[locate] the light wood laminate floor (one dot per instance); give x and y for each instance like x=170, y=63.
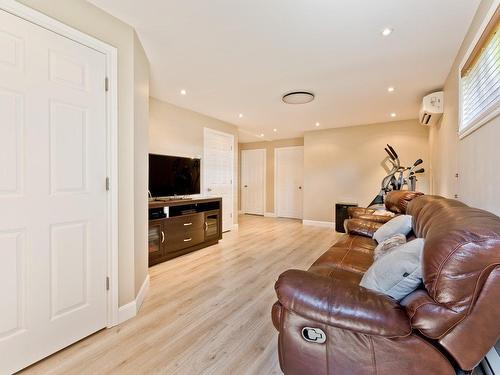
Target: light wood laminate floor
x=207, y=312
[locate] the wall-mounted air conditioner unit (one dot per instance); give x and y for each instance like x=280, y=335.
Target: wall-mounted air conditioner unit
x=432, y=108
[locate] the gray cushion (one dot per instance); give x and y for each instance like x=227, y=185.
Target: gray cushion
x=398, y=272
x=399, y=225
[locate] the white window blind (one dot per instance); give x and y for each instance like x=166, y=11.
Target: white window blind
x=480, y=79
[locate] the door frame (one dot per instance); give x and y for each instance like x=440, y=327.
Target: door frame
x=111, y=54
x=233, y=148
x=276, y=151
x=264, y=181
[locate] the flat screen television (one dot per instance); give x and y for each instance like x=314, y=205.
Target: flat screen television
x=173, y=175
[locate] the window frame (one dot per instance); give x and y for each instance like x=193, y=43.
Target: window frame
x=486, y=116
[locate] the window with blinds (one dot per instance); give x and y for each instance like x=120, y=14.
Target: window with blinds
x=480, y=79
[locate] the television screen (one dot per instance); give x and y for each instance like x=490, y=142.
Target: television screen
x=173, y=175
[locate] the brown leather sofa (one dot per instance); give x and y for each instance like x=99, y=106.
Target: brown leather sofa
x=362, y=221
x=328, y=324
x=396, y=201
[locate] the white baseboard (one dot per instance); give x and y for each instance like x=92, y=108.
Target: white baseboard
x=315, y=223
x=142, y=294
x=131, y=309
x=127, y=312
x=240, y=212
x=269, y=214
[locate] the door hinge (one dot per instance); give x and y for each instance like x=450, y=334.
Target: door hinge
x=106, y=84
x=107, y=183
x=107, y=283
x=231, y=215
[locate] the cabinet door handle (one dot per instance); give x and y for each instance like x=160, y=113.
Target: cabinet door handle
x=187, y=239
x=205, y=224
x=162, y=236
x=186, y=224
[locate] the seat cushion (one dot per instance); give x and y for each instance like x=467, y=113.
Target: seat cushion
x=348, y=259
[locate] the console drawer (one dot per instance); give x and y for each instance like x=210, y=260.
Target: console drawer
x=184, y=238
x=185, y=222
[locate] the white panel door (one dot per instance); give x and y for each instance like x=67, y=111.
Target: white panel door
x=253, y=181
x=218, y=170
x=52, y=192
x=289, y=180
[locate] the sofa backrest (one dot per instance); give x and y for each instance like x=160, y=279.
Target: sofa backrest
x=397, y=200
x=461, y=275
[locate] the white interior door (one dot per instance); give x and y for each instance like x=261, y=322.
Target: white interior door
x=218, y=170
x=253, y=181
x=289, y=180
x=53, y=240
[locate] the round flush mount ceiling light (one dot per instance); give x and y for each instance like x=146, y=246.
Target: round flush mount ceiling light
x=387, y=31
x=298, y=97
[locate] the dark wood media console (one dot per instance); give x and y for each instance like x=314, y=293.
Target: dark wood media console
x=189, y=225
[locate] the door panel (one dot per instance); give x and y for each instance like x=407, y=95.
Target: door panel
x=253, y=181
x=12, y=282
x=53, y=227
x=289, y=181
x=218, y=168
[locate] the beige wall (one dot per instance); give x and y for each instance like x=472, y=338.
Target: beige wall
x=476, y=157
x=269, y=146
x=178, y=131
x=344, y=164
x=141, y=145
x=89, y=19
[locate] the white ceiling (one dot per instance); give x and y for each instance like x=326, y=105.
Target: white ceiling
x=241, y=56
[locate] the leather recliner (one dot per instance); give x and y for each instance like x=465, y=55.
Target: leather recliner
x=328, y=324
x=396, y=201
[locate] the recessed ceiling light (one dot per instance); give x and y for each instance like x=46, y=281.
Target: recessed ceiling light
x=390, y=89
x=317, y=124
x=393, y=114
x=240, y=115
x=387, y=31
x=183, y=92
x=275, y=130
x=261, y=134
x=298, y=97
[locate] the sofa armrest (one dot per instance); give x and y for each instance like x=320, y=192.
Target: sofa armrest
x=361, y=227
x=355, y=212
x=376, y=218
x=341, y=304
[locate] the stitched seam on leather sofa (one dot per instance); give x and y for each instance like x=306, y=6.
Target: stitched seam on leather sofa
x=374, y=360
x=441, y=266
x=440, y=353
x=419, y=306
x=349, y=248
x=476, y=292
x=469, y=309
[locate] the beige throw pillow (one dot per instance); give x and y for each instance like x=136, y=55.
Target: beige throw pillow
x=385, y=246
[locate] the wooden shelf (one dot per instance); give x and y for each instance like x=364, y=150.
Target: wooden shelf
x=191, y=224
